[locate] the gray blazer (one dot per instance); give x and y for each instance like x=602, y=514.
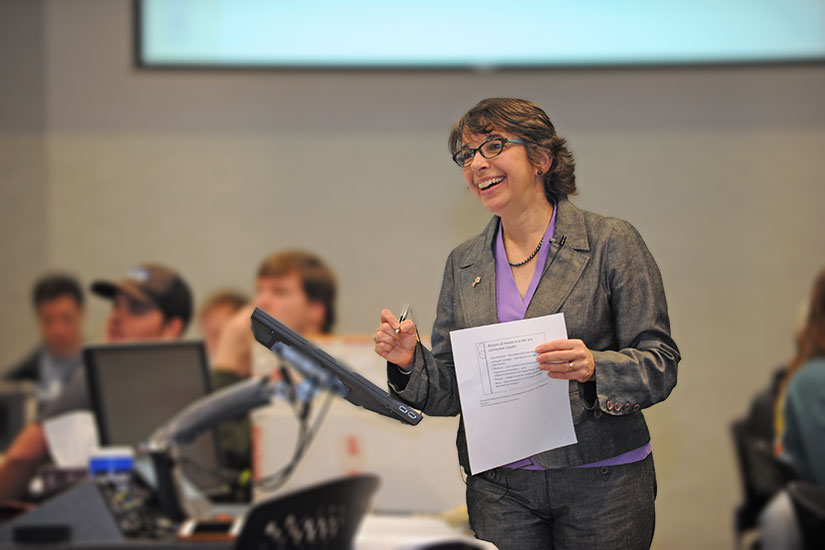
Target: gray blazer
x=608, y=286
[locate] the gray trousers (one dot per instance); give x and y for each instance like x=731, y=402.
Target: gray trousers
x=571, y=508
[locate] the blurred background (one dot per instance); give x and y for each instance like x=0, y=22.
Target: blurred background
x=104, y=165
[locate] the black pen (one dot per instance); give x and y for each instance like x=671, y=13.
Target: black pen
x=404, y=315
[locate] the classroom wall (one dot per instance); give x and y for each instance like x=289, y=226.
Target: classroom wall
x=23, y=222
x=103, y=165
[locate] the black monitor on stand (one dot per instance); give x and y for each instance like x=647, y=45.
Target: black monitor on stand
x=353, y=387
x=320, y=371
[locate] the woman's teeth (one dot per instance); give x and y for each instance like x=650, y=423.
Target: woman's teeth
x=489, y=183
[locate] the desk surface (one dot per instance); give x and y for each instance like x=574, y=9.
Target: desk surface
x=393, y=532
x=377, y=532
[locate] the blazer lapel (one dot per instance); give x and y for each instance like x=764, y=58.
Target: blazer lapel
x=476, y=280
x=476, y=276
x=565, y=263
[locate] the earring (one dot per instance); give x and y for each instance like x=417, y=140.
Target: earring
x=539, y=173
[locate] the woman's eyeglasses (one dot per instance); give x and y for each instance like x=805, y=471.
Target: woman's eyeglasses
x=490, y=149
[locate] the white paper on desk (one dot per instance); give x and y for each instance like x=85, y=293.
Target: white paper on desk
x=511, y=408
x=72, y=438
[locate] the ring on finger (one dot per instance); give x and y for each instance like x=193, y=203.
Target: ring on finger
x=570, y=366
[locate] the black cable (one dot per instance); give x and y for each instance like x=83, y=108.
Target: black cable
x=277, y=479
x=231, y=474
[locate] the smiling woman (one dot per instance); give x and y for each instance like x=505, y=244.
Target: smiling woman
x=541, y=255
x=508, y=184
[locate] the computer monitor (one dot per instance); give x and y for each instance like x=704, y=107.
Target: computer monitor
x=135, y=388
x=358, y=390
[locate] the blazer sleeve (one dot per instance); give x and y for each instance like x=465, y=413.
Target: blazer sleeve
x=642, y=370
x=432, y=386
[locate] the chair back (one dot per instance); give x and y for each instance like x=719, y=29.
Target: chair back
x=809, y=504
x=324, y=516
x=761, y=473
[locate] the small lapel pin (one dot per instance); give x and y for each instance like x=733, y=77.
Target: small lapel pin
x=476, y=281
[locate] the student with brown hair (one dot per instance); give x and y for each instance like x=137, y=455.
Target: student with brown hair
x=215, y=313
x=295, y=287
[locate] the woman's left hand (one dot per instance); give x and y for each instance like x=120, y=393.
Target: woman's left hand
x=566, y=359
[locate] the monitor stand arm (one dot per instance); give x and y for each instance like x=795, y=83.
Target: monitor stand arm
x=210, y=410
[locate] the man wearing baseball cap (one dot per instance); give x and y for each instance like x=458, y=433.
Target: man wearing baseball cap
x=151, y=303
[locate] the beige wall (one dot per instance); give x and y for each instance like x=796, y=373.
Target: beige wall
x=23, y=185
x=720, y=169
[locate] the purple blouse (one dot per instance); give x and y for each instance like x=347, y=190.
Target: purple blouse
x=511, y=306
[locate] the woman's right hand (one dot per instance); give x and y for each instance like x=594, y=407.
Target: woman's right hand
x=396, y=347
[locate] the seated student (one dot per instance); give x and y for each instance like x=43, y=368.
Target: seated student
x=293, y=286
x=58, y=306
x=151, y=303
x=800, y=423
x=216, y=311
x=296, y=288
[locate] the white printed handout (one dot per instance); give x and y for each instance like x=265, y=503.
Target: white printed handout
x=511, y=408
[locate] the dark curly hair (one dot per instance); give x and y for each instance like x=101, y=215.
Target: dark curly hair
x=53, y=286
x=531, y=124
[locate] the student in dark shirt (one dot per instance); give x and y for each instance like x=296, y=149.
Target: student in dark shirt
x=59, y=309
